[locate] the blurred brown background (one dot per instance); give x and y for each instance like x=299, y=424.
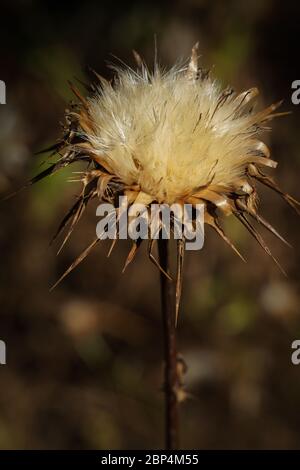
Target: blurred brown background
x=84, y=362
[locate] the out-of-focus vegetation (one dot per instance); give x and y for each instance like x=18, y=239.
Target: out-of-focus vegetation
x=84, y=362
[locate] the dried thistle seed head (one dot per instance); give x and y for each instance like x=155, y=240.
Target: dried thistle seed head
x=167, y=137
x=171, y=135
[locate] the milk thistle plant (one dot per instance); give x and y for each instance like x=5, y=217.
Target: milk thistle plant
x=168, y=137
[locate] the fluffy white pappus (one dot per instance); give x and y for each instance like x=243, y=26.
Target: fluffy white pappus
x=171, y=134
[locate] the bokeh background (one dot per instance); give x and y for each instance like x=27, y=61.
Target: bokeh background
x=84, y=366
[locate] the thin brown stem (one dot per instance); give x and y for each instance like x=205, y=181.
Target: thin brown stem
x=170, y=353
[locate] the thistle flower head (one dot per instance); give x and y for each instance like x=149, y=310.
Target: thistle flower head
x=169, y=136
x=172, y=135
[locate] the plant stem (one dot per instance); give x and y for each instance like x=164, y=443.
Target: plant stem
x=170, y=353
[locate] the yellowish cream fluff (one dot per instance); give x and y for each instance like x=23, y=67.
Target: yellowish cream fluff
x=169, y=134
